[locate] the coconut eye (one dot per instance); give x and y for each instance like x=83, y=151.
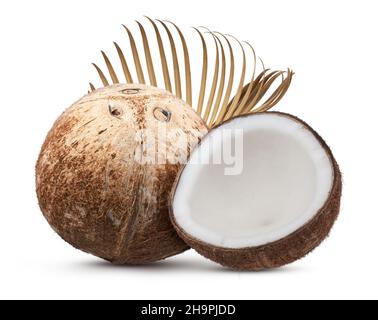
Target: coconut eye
x=131, y=91
x=162, y=115
x=114, y=111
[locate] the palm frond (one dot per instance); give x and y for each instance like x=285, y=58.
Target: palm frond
x=214, y=102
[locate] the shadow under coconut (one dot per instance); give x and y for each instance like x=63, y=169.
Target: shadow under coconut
x=168, y=265
x=179, y=264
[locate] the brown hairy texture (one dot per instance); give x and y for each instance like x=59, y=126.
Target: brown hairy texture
x=93, y=191
x=286, y=250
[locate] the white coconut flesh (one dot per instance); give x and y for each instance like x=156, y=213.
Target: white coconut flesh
x=286, y=179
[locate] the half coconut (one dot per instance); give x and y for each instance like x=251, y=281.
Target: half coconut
x=260, y=191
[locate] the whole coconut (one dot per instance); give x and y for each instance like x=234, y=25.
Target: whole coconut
x=105, y=173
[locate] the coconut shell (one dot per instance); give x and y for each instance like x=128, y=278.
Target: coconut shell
x=97, y=186
x=286, y=250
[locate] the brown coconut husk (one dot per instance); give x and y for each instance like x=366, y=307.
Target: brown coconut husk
x=286, y=250
x=91, y=189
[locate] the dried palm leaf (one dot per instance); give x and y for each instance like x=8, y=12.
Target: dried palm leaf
x=248, y=98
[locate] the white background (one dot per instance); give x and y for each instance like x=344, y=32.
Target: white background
x=45, y=52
